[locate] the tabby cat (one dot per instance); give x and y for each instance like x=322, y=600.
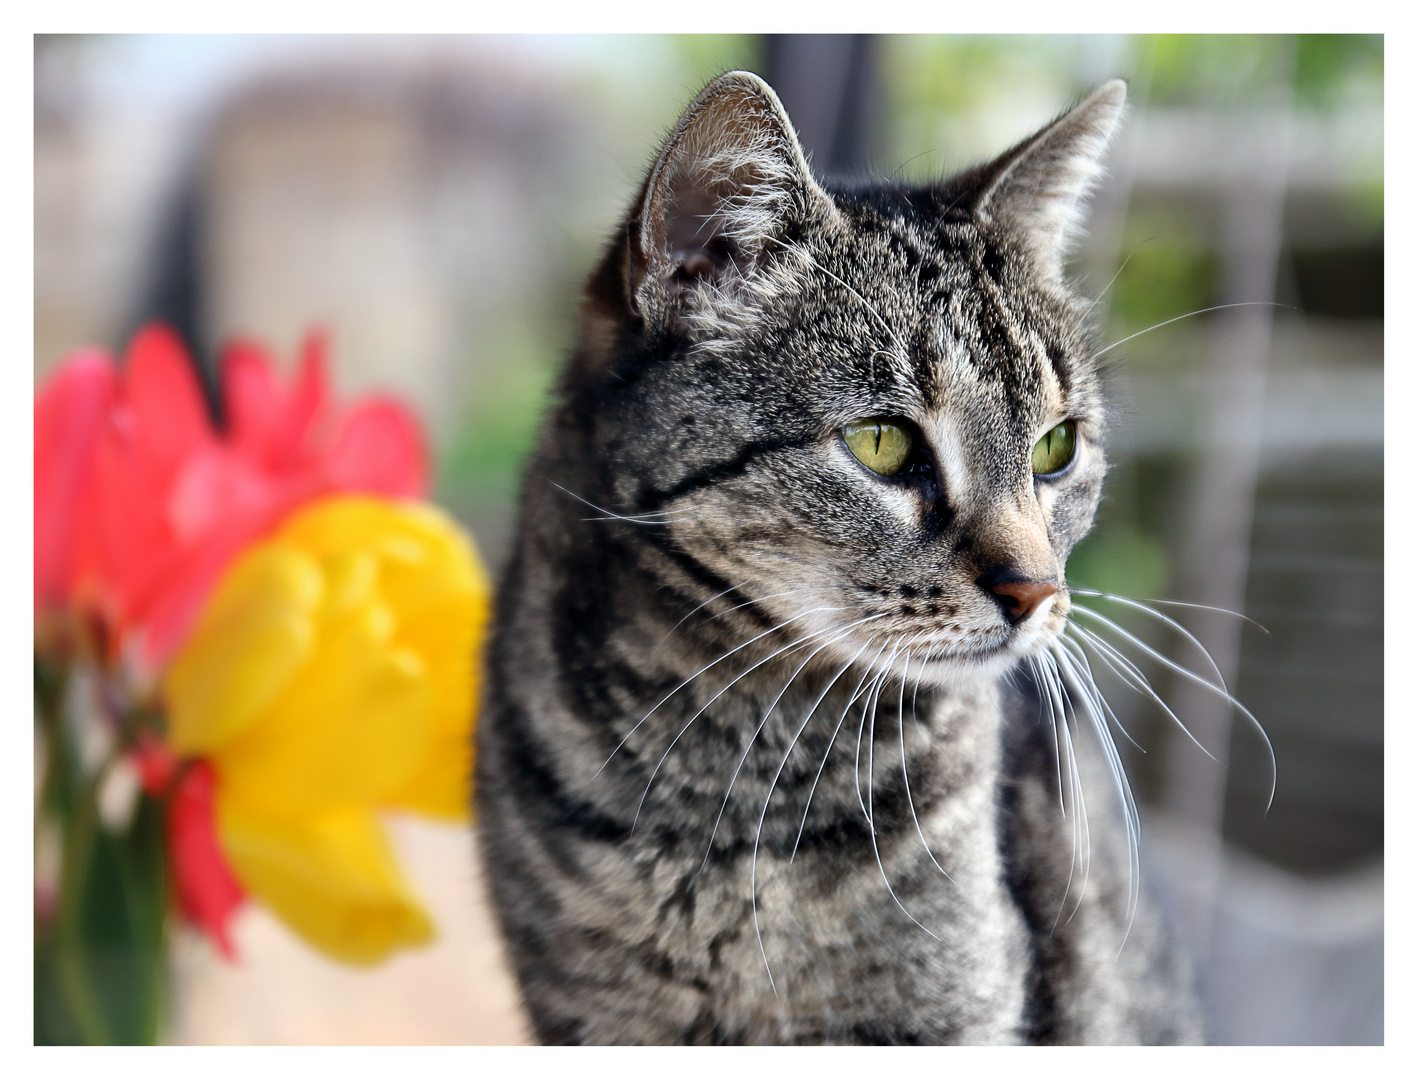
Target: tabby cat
x=756, y=762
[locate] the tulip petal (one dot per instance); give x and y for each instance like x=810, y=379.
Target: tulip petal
x=332, y=878
x=168, y=409
x=255, y=634
x=378, y=449
x=445, y=598
x=429, y=574
x=351, y=727
x=251, y=396
x=308, y=413
x=207, y=893
x=68, y=414
x=446, y=638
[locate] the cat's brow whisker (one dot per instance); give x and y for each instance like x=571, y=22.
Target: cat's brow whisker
x=803, y=252
x=1188, y=315
x=1113, y=280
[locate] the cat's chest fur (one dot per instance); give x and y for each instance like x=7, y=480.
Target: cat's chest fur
x=749, y=766
x=627, y=926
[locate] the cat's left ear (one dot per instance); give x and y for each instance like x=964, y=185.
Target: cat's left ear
x=728, y=181
x=1038, y=188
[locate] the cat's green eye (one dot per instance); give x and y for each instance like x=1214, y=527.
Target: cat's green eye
x=880, y=445
x=1055, y=450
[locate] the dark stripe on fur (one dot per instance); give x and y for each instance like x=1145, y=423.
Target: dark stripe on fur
x=651, y=500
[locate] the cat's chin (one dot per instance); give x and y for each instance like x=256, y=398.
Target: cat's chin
x=958, y=669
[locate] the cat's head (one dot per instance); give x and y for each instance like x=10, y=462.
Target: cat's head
x=872, y=410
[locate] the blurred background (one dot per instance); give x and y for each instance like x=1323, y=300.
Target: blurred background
x=436, y=201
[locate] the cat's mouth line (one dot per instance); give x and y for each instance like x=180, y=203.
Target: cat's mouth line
x=948, y=655
x=1019, y=642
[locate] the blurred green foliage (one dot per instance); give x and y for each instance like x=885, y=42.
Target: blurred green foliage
x=1120, y=558
x=1322, y=70
x=1168, y=271
x=950, y=100
x=703, y=56
x=483, y=461
x=1333, y=68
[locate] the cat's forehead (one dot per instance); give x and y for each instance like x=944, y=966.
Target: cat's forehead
x=950, y=314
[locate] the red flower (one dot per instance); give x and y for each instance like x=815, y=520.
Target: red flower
x=67, y=415
x=203, y=885
x=207, y=892
x=140, y=502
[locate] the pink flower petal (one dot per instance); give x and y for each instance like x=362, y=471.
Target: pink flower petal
x=379, y=449
x=68, y=415
x=208, y=893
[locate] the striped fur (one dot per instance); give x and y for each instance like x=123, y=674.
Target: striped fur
x=754, y=763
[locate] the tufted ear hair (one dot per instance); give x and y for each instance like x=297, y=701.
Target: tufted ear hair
x=730, y=177
x=1038, y=188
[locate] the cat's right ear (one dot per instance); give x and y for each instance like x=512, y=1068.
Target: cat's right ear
x=1038, y=188
x=727, y=183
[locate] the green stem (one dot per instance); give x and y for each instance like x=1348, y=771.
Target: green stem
x=50, y=684
x=69, y=946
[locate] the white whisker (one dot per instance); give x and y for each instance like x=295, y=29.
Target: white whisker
x=871, y=817
x=1080, y=677
x=1142, y=605
x=1187, y=673
x=905, y=775
x=701, y=671
x=754, y=737
x=700, y=712
x=832, y=741
x=763, y=814
x=1188, y=315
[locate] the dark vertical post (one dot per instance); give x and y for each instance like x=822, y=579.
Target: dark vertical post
x=829, y=85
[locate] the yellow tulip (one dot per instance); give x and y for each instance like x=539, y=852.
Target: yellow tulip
x=332, y=676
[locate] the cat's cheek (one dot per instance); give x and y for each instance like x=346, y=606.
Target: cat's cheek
x=1070, y=513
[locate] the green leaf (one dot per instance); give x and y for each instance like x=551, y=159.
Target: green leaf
x=108, y=957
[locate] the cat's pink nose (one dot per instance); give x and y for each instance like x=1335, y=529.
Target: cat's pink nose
x=1019, y=599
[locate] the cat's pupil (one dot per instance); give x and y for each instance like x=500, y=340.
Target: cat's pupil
x=880, y=445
